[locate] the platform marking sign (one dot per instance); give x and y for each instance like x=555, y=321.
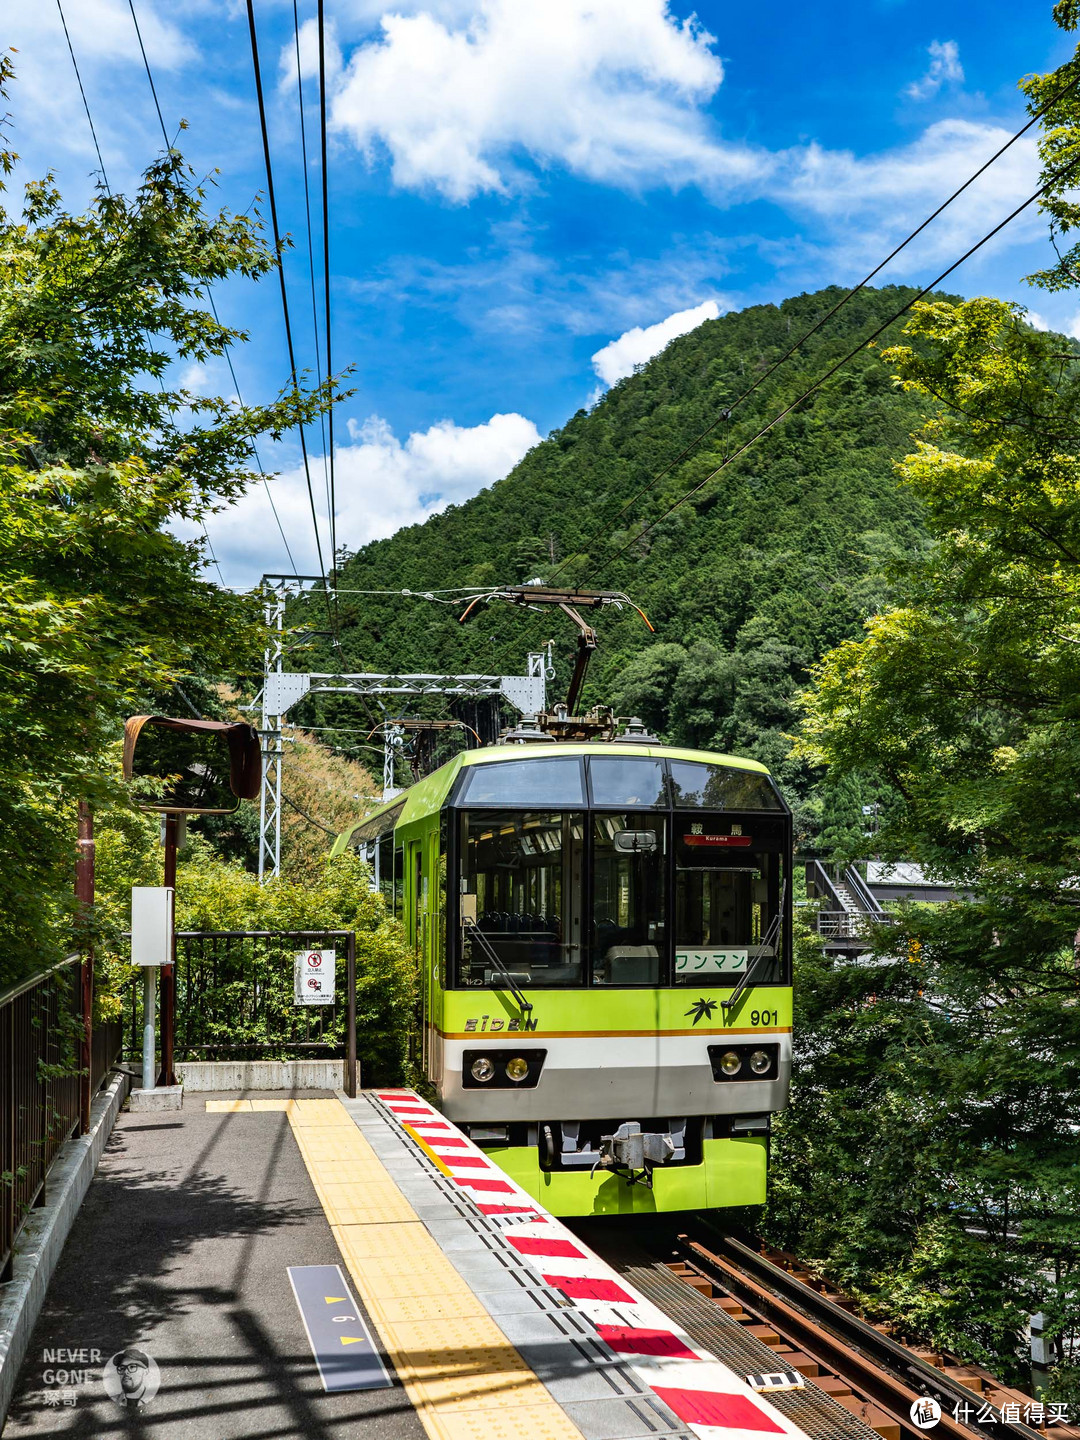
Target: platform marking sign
x=340, y=1340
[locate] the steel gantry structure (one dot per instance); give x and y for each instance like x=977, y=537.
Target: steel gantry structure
x=283, y=689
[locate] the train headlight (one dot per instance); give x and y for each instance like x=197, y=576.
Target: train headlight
x=761, y=1062
x=730, y=1062
x=517, y=1069
x=483, y=1069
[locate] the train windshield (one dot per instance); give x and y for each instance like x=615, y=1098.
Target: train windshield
x=570, y=899
x=629, y=889
x=523, y=872
x=727, y=902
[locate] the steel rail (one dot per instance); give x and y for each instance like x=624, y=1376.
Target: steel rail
x=887, y=1373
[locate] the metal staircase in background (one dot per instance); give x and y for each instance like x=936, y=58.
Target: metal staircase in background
x=849, y=909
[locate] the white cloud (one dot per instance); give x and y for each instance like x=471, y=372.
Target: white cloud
x=636, y=346
x=309, y=54
x=1036, y=321
x=944, y=66
x=868, y=203
x=611, y=90
x=382, y=484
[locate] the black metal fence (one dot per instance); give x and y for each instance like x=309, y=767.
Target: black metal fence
x=235, y=998
x=41, y=1087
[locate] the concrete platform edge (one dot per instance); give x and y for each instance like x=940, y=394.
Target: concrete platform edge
x=43, y=1237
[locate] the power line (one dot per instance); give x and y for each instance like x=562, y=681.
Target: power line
x=210, y=547
x=311, y=263
x=153, y=87
x=284, y=292
x=726, y=413
x=729, y=459
x=326, y=270
x=424, y=594
x=82, y=92
x=213, y=309
x=254, y=447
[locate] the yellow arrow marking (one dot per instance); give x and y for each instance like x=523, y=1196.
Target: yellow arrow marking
x=333, y=1299
x=352, y=1339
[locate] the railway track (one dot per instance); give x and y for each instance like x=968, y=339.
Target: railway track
x=769, y=1314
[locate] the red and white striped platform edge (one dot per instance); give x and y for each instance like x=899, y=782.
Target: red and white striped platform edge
x=708, y=1397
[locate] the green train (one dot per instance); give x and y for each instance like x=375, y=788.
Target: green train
x=604, y=936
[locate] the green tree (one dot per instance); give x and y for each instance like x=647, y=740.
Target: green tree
x=950, y=1197
x=100, y=604
x=215, y=895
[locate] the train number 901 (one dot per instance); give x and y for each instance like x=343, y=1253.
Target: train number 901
x=764, y=1017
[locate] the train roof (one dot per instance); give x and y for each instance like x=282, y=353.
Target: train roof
x=429, y=795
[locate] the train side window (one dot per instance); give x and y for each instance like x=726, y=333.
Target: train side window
x=629, y=924
x=384, y=869
x=618, y=780
x=399, y=884
x=521, y=875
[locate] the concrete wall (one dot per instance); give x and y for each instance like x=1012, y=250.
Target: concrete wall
x=262, y=1074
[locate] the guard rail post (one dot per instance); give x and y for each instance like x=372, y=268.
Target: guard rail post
x=350, y=1018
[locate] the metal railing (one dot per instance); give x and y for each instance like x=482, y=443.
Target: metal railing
x=848, y=925
x=235, y=999
x=42, y=1074
x=841, y=925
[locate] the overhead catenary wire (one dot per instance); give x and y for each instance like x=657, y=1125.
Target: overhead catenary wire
x=328, y=333
x=210, y=547
x=311, y=260
x=867, y=340
x=149, y=75
x=272, y=198
x=727, y=411
x=213, y=310
x=254, y=447
x=82, y=92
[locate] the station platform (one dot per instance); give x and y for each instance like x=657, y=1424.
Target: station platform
x=375, y=1275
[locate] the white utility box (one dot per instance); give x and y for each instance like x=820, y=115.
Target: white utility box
x=151, y=924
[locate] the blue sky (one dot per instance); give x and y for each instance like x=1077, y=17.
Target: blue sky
x=530, y=196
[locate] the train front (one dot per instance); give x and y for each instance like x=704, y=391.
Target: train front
x=616, y=1017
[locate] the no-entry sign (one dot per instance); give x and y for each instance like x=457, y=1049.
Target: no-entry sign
x=313, y=977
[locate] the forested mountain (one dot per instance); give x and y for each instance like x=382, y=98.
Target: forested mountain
x=747, y=585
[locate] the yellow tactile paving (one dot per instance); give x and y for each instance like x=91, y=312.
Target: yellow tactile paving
x=355, y=1172
x=364, y=1204
x=471, y=1390
x=391, y=1277
x=227, y=1107
x=415, y=1308
x=320, y=1112
x=376, y=1242
x=333, y=1146
x=465, y=1342
x=539, y=1422
x=276, y=1105
x=463, y=1377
